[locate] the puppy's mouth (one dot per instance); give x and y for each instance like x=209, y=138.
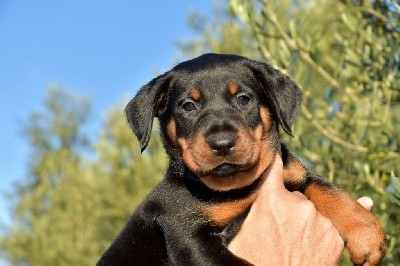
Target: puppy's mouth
x=228, y=169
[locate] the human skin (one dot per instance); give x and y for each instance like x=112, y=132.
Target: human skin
x=284, y=228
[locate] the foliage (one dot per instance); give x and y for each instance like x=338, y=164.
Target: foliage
x=395, y=198
x=219, y=33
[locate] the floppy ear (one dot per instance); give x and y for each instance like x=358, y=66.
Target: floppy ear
x=284, y=95
x=141, y=110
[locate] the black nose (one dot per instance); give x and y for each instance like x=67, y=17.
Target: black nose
x=222, y=144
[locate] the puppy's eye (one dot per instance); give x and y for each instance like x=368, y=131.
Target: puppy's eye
x=188, y=106
x=243, y=99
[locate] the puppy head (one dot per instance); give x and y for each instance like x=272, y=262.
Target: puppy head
x=219, y=116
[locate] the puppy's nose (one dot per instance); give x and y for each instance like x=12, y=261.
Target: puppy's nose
x=222, y=144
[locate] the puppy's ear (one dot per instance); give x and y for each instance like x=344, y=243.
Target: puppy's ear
x=284, y=95
x=147, y=104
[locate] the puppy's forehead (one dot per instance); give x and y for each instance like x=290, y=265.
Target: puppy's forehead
x=211, y=79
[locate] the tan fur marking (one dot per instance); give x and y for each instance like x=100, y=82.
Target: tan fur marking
x=193, y=150
x=362, y=231
x=195, y=94
x=171, y=131
x=233, y=88
x=222, y=213
x=265, y=118
x=333, y=203
x=294, y=171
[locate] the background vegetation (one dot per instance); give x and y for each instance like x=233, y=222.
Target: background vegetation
x=344, y=54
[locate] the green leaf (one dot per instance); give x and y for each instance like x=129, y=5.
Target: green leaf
x=394, y=199
x=395, y=181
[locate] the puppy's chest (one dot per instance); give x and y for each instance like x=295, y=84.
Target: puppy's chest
x=188, y=208
x=223, y=213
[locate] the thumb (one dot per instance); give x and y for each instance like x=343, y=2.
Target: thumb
x=366, y=202
x=274, y=176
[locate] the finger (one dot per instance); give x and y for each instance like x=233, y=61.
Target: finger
x=299, y=195
x=366, y=202
x=274, y=176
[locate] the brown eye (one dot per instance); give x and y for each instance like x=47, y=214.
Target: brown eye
x=243, y=100
x=188, y=106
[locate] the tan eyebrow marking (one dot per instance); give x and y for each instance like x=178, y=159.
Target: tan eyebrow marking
x=233, y=88
x=195, y=94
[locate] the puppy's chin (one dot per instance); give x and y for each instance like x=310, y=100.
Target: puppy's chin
x=227, y=170
x=227, y=177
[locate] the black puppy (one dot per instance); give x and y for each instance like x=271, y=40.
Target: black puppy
x=219, y=117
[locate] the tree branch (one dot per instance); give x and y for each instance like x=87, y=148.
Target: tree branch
x=292, y=45
x=330, y=134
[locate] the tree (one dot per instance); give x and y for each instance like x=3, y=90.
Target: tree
x=345, y=55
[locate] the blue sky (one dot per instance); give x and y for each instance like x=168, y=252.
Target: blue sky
x=98, y=48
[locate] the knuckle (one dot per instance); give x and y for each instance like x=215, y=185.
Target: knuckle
x=307, y=208
x=299, y=195
x=328, y=225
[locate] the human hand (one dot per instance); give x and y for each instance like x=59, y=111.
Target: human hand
x=284, y=228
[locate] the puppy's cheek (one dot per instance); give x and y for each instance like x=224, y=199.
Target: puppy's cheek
x=172, y=139
x=246, y=147
x=266, y=120
x=171, y=132
x=195, y=153
x=187, y=154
